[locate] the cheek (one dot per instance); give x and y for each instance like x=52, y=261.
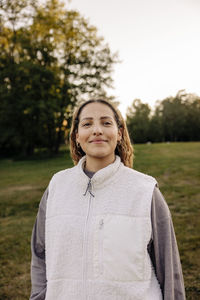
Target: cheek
x=115, y=135
x=82, y=136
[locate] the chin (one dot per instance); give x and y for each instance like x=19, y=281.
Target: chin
x=100, y=154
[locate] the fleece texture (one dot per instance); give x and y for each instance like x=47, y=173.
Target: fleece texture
x=97, y=232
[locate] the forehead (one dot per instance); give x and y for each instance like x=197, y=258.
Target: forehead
x=96, y=110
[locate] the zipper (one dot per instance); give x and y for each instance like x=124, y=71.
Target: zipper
x=85, y=241
x=101, y=227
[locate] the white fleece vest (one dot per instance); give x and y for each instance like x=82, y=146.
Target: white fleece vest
x=97, y=232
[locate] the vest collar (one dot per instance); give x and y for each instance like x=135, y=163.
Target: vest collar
x=103, y=175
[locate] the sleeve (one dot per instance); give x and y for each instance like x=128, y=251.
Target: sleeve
x=164, y=250
x=38, y=265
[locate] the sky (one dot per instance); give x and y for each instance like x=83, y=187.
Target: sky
x=158, y=43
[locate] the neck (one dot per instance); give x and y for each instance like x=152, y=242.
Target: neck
x=96, y=164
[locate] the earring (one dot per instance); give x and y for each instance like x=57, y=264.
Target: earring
x=78, y=144
x=119, y=143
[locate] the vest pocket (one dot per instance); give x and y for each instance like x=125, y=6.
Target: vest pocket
x=120, y=248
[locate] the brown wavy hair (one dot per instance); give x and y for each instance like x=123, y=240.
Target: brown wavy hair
x=124, y=149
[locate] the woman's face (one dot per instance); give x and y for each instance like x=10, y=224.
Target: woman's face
x=98, y=133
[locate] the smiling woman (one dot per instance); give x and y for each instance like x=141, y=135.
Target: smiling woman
x=98, y=135
x=100, y=115
x=103, y=230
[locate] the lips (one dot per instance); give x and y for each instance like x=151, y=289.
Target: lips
x=98, y=141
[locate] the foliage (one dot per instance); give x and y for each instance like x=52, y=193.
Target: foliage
x=22, y=183
x=138, y=121
x=174, y=119
x=50, y=58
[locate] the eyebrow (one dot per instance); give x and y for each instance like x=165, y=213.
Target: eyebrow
x=101, y=118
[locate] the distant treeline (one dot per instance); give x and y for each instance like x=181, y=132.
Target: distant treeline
x=173, y=119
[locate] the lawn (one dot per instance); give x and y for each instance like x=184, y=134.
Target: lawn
x=176, y=166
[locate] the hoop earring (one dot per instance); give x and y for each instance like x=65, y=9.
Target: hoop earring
x=78, y=144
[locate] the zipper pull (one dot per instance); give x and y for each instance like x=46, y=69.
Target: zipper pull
x=88, y=189
x=101, y=223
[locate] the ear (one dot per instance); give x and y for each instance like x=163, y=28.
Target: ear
x=119, y=136
x=77, y=137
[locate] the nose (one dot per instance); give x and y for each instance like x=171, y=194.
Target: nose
x=97, y=129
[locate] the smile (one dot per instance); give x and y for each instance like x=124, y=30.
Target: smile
x=98, y=141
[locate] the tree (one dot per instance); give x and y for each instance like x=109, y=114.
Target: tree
x=156, y=126
x=192, y=122
x=174, y=119
x=138, y=121
x=180, y=117
x=47, y=66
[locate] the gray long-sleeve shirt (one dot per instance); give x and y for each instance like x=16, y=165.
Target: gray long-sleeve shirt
x=162, y=248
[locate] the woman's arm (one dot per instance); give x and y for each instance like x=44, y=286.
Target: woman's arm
x=38, y=265
x=164, y=250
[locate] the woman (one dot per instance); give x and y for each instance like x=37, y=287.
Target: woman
x=103, y=230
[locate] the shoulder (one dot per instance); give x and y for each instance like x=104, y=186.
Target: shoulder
x=63, y=174
x=132, y=174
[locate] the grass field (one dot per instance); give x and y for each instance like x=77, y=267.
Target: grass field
x=176, y=166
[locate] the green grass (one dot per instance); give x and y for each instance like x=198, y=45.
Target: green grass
x=176, y=166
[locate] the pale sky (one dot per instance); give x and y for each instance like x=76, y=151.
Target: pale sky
x=158, y=42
